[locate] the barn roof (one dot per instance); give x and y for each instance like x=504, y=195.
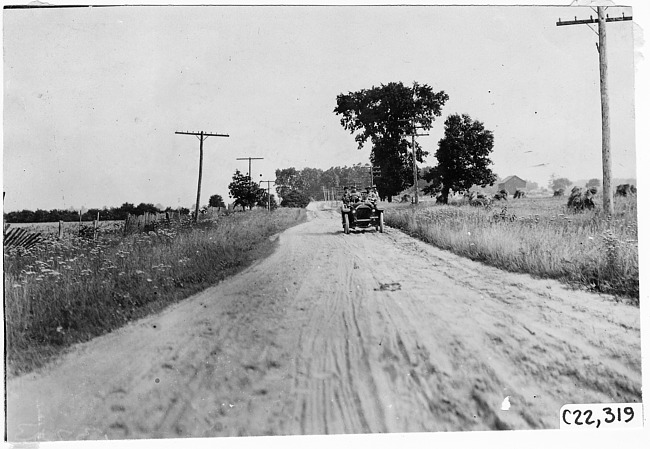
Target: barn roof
x=508, y=178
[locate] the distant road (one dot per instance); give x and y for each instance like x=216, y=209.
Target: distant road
x=337, y=333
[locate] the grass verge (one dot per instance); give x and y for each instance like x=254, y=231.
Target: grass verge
x=538, y=236
x=63, y=292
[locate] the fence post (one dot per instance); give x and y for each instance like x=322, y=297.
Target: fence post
x=60, y=229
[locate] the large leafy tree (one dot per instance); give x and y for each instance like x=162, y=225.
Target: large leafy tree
x=385, y=115
x=463, y=157
x=245, y=192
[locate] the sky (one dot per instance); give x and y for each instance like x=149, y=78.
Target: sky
x=93, y=96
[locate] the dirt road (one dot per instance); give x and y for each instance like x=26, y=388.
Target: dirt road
x=339, y=333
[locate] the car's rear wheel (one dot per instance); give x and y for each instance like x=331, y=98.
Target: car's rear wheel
x=346, y=224
x=381, y=222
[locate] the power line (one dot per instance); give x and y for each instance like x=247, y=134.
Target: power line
x=201, y=136
x=413, y=135
x=608, y=196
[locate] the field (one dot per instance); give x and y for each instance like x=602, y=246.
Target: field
x=70, y=290
x=537, y=236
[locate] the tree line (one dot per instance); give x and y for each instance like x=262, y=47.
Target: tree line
x=112, y=213
x=311, y=181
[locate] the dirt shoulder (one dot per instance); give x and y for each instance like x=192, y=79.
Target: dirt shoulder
x=337, y=333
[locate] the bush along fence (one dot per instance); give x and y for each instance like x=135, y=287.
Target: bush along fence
x=149, y=221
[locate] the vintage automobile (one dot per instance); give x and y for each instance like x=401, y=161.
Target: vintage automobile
x=362, y=216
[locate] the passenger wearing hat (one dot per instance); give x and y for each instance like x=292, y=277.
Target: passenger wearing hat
x=364, y=195
x=373, y=197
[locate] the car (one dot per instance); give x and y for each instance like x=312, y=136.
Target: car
x=362, y=216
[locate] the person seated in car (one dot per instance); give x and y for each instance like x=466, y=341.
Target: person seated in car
x=364, y=194
x=373, y=196
x=354, y=197
x=346, y=197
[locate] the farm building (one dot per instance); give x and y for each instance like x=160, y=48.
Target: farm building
x=511, y=184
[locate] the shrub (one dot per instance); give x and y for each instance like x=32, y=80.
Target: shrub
x=294, y=198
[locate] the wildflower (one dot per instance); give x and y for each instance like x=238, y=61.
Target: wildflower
x=149, y=280
x=139, y=272
x=17, y=286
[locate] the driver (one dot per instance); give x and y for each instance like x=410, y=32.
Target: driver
x=354, y=196
x=364, y=194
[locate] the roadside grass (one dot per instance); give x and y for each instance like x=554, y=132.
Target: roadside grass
x=68, y=291
x=538, y=236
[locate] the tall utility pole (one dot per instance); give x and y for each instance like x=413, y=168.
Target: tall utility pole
x=608, y=195
x=370, y=169
x=201, y=136
x=415, y=162
x=268, y=193
x=249, y=163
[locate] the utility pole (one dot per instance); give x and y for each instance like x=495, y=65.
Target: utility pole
x=249, y=163
x=415, y=164
x=268, y=193
x=608, y=196
x=201, y=136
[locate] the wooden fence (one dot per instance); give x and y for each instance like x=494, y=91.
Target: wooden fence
x=19, y=237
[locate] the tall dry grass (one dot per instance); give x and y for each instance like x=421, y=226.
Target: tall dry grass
x=63, y=292
x=539, y=236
